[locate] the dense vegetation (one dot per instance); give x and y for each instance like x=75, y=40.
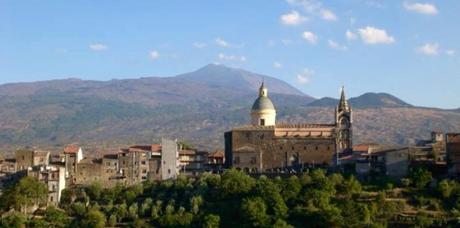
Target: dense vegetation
x=312, y=199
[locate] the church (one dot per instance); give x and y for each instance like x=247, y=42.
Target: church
x=267, y=146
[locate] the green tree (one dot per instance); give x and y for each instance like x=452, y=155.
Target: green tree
x=133, y=211
x=446, y=188
x=94, y=219
x=13, y=220
x=195, y=204
x=420, y=177
x=26, y=193
x=94, y=190
x=56, y=217
x=211, y=221
x=281, y=224
x=291, y=188
x=236, y=182
x=255, y=211
x=121, y=211
x=112, y=220
x=270, y=193
x=78, y=209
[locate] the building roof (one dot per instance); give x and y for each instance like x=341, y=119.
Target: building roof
x=263, y=103
x=305, y=125
x=71, y=149
x=143, y=148
x=216, y=154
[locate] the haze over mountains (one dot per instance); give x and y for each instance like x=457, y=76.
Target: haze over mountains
x=198, y=107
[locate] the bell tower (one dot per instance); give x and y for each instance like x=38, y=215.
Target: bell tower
x=343, y=122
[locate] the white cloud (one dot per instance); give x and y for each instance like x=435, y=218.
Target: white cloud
x=350, y=35
x=428, y=49
x=154, y=54
x=199, y=45
x=314, y=8
x=328, y=15
x=304, y=76
x=334, y=45
x=236, y=58
x=221, y=42
x=98, y=47
x=292, y=18
x=371, y=35
x=310, y=37
x=423, y=8
x=277, y=65
x=450, y=52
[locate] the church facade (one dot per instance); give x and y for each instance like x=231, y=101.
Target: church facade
x=266, y=146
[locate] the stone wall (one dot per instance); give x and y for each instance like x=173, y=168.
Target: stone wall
x=260, y=150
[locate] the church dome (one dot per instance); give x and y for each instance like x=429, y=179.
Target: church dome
x=263, y=103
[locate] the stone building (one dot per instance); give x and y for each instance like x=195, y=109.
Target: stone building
x=453, y=152
x=73, y=154
x=192, y=161
x=215, y=161
x=169, y=159
x=54, y=179
x=26, y=158
x=265, y=145
x=381, y=160
x=134, y=163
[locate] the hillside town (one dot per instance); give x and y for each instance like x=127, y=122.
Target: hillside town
x=261, y=147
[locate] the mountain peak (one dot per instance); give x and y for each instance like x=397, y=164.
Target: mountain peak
x=367, y=100
x=378, y=100
x=218, y=75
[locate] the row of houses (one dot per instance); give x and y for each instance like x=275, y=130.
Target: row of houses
x=130, y=165
x=441, y=154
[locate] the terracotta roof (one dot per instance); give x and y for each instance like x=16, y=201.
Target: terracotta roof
x=71, y=149
x=364, y=147
x=145, y=148
x=217, y=154
x=156, y=148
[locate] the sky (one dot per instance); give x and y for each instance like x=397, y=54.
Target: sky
x=408, y=48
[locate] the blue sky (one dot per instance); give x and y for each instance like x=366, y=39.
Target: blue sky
x=410, y=49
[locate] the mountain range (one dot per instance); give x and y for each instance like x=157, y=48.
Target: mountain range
x=197, y=107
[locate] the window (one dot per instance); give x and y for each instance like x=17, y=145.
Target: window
x=143, y=162
x=144, y=171
x=253, y=160
x=262, y=122
x=237, y=160
x=316, y=148
x=292, y=147
x=169, y=171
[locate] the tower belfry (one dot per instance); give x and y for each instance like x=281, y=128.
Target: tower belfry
x=343, y=121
